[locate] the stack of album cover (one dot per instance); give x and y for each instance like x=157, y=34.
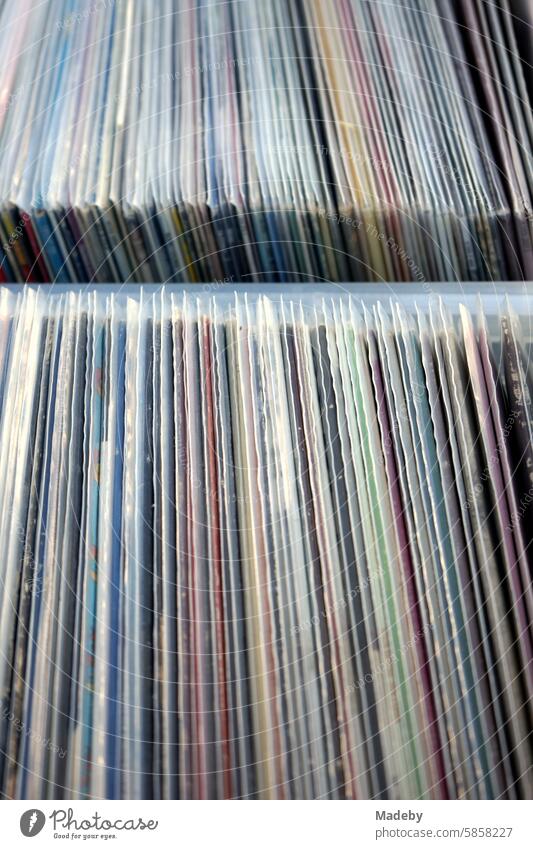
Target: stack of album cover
x=256, y=547
x=289, y=140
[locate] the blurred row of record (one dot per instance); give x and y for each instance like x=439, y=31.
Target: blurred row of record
x=286, y=141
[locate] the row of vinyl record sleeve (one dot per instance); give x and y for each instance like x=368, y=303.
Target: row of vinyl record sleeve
x=321, y=140
x=268, y=549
